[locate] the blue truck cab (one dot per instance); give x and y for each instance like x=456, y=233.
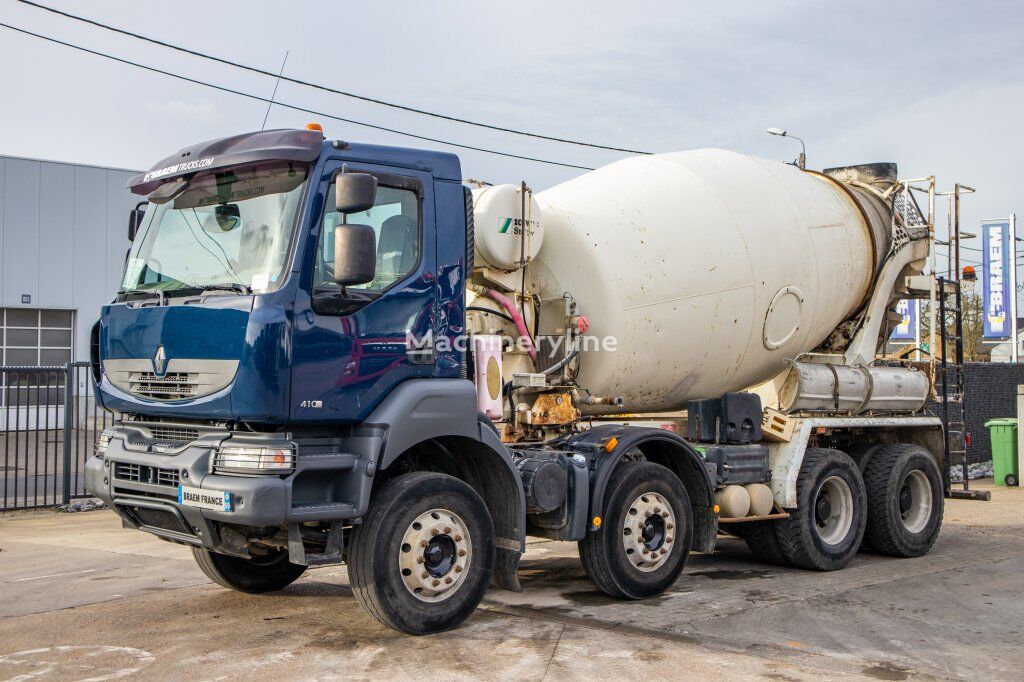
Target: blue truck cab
x=275, y=412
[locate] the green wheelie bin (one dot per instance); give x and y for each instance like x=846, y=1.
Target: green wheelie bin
x=1003, y=432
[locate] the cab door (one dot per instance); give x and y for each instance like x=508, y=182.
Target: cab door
x=349, y=345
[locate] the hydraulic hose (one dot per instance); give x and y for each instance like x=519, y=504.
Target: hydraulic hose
x=561, y=363
x=489, y=311
x=517, y=318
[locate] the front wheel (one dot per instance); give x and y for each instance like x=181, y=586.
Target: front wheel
x=422, y=559
x=824, y=532
x=645, y=535
x=255, y=575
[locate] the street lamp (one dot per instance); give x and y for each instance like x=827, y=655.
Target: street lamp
x=801, y=160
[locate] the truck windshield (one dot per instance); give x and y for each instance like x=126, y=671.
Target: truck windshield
x=225, y=230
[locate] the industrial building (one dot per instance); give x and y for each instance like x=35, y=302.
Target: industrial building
x=63, y=239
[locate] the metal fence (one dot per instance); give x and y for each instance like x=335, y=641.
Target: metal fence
x=50, y=423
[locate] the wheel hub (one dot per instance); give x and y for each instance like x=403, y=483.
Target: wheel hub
x=648, y=531
x=435, y=555
x=916, y=501
x=833, y=510
x=439, y=556
x=823, y=509
x=653, y=532
x=906, y=499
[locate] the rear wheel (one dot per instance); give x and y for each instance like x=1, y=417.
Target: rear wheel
x=761, y=540
x=862, y=453
x=904, y=488
x=645, y=535
x=825, y=531
x=255, y=575
x=423, y=556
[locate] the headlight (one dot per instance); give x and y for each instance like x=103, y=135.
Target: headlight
x=102, y=441
x=254, y=459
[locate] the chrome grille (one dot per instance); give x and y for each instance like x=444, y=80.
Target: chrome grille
x=171, y=386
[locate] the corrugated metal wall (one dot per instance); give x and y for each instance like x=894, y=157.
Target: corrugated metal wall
x=63, y=237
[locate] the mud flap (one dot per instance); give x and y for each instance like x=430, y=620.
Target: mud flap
x=506, y=570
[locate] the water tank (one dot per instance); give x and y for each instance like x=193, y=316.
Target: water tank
x=507, y=227
x=708, y=268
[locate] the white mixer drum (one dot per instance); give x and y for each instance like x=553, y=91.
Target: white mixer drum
x=498, y=220
x=708, y=268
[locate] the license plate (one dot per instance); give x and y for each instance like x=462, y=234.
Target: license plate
x=204, y=499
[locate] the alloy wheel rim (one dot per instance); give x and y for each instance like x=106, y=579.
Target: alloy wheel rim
x=435, y=555
x=648, y=531
x=833, y=510
x=915, y=501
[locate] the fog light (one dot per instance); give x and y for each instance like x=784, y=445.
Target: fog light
x=254, y=459
x=102, y=441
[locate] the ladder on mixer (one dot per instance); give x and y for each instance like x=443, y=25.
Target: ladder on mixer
x=951, y=374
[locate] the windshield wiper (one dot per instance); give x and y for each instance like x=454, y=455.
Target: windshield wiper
x=227, y=286
x=159, y=293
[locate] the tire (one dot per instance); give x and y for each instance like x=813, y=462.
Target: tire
x=761, y=541
x=650, y=491
x=824, y=532
x=861, y=453
x=255, y=576
x=1011, y=480
x=904, y=488
x=422, y=559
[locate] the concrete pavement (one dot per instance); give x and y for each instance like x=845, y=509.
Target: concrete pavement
x=81, y=598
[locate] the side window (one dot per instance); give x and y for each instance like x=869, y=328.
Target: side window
x=395, y=219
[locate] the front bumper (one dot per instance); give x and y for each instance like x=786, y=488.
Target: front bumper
x=139, y=481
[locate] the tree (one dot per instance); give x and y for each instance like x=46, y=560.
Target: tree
x=973, y=319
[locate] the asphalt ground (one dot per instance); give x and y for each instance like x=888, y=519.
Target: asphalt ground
x=80, y=598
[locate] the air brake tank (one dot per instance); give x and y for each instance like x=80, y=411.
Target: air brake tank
x=709, y=268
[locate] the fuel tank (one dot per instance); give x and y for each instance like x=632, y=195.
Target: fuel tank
x=702, y=272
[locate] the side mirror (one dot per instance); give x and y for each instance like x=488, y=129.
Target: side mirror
x=354, y=192
x=135, y=219
x=355, y=254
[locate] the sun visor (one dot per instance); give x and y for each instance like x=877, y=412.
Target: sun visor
x=269, y=145
x=227, y=187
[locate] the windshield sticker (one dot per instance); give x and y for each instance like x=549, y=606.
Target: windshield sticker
x=132, y=270
x=179, y=168
x=260, y=281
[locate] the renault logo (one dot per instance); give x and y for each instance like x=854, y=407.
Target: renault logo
x=160, y=361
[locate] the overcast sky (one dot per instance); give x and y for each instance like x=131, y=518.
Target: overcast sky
x=937, y=87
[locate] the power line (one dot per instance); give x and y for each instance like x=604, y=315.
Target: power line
x=325, y=88
x=289, y=106
x=274, y=93
x=971, y=248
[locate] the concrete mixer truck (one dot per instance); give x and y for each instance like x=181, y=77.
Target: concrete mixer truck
x=327, y=352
